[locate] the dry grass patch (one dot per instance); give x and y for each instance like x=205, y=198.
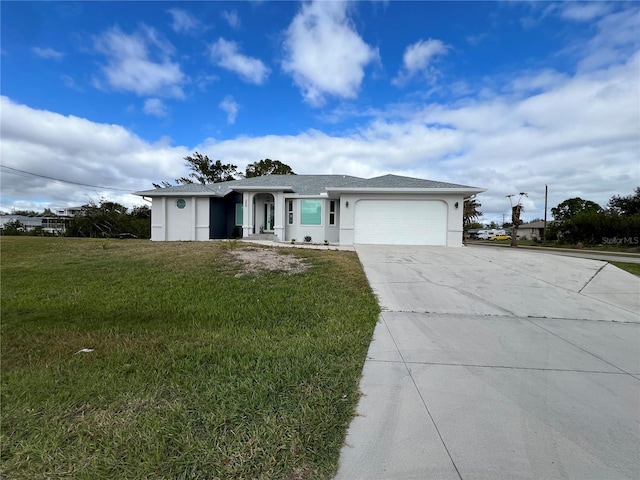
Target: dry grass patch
x=258, y=260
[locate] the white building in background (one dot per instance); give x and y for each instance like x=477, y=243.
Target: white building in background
x=51, y=225
x=68, y=211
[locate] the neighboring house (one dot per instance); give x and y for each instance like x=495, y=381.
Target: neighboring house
x=52, y=225
x=69, y=211
x=340, y=209
x=532, y=231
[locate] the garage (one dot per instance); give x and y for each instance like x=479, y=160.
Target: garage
x=400, y=222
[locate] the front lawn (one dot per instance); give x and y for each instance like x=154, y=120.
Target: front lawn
x=203, y=364
x=629, y=267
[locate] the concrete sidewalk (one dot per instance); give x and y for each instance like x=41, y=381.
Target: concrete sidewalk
x=490, y=363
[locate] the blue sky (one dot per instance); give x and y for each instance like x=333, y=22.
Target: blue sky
x=507, y=96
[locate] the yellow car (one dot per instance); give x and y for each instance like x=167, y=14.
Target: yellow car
x=500, y=237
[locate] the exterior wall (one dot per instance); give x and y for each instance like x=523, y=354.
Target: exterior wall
x=253, y=218
x=530, y=233
x=158, y=218
x=454, y=215
x=170, y=223
x=332, y=232
x=201, y=216
x=247, y=214
x=279, y=223
x=290, y=231
x=318, y=233
x=222, y=216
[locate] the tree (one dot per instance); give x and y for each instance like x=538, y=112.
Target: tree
x=572, y=207
x=110, y=219
x=141, y=211
x=13, y=227
x=470, y=212
x=583, y=221
x=516, y=210
x=163, y=184
x=628, y=205
x=204, y=170
x=267, y=167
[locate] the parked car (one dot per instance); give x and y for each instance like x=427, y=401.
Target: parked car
x=499, y=237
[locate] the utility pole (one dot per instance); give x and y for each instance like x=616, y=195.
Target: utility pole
x=515, y=217
x=544, y=227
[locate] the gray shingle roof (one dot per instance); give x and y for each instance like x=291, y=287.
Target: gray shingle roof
x=303, y=184
x=538, y=224
x=397, y=181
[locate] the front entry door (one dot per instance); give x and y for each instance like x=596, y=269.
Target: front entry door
x=269, y=216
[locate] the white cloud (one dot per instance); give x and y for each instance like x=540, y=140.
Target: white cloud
x=47, y=53
x=584, y=11
x=231, y=107
x=155, y=106
x=183, y=21
x=226, y=54
x=79, y=150
x=617, y=37
x=231, y=17
x=536, y=80
x=418, y=58
x=69, y=82
x=324, y=54
x=140, y=63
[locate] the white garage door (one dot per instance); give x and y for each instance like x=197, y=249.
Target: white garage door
x=400, y=222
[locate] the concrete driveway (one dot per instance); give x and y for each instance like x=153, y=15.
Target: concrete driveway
x=497, y=363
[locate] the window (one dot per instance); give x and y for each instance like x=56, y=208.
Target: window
x=311, y=212
x=332, y=212
x=239, y=214
x=290, y=210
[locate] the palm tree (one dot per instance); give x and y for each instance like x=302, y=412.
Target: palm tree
x=470, y=212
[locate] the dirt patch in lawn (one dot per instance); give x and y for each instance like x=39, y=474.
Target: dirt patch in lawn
x=256, y=260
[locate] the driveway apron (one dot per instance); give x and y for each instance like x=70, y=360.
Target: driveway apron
x=497, y=364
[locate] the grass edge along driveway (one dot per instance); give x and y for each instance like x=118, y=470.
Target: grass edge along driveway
x=200, y=366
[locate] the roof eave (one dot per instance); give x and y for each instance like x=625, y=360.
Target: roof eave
x=262, y=188
x=160, y=193
x=461, y=190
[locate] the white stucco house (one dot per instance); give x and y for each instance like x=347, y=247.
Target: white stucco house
x=532, y=230
x=340, y=209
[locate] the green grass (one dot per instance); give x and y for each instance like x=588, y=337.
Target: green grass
x=629, y=267
x=554, y=244
x=198, y=370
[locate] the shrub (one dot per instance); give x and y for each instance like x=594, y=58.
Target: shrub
x=13, y=227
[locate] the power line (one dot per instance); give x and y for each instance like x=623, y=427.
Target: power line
x=61, y=180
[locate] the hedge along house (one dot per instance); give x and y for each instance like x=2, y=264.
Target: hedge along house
x=340, y=209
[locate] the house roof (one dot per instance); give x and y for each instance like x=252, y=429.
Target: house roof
x=397, y=181
x=538, y=224
x=311, y=185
